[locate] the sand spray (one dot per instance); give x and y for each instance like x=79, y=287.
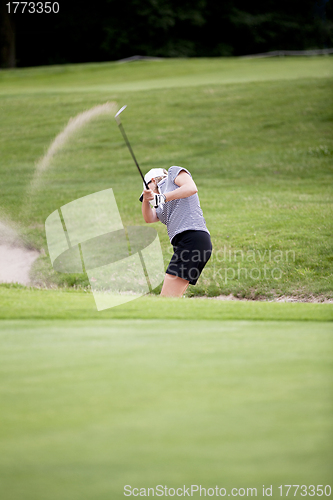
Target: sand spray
x=74, y=124
x=16, y=254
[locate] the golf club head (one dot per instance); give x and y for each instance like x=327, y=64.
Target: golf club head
x=117, y=118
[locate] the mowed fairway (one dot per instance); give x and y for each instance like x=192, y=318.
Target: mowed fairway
x=255, y=134
x=88, y=407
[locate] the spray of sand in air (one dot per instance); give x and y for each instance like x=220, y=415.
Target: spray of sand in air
x=59, y=142
x=16, y=255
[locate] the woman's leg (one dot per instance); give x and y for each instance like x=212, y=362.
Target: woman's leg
x=174, y=286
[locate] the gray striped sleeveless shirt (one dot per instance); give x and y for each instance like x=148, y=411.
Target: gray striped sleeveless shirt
x=180, y=215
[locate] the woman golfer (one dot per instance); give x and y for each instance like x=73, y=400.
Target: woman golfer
x=176, y=204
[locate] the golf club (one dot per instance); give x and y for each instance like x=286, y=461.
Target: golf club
x=117, y=118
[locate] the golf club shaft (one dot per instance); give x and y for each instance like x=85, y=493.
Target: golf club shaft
x=131, y=151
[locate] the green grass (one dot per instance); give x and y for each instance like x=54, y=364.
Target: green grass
x=167, y=73
x=88, y=407
x=173, y=391
x=31, y=303
x=256, y=135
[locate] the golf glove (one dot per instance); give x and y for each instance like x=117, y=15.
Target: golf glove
x=159, y=200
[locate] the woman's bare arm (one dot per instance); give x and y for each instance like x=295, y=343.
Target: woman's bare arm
x=149, y=213
x=186, y=185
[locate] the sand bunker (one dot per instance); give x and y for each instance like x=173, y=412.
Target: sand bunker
x=16, y=258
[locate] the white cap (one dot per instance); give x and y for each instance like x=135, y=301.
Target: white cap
x=154, y=172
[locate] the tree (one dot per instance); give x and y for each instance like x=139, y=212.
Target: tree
x=107, y=30
x=7, y=37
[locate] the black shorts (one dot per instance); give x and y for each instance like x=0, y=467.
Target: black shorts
x=192, y=250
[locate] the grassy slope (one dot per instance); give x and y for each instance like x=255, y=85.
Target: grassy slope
x=18, y=303
x=167, y=73
x=260, y=150
x=88, y=407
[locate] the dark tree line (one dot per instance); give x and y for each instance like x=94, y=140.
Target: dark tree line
x=104, y=30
